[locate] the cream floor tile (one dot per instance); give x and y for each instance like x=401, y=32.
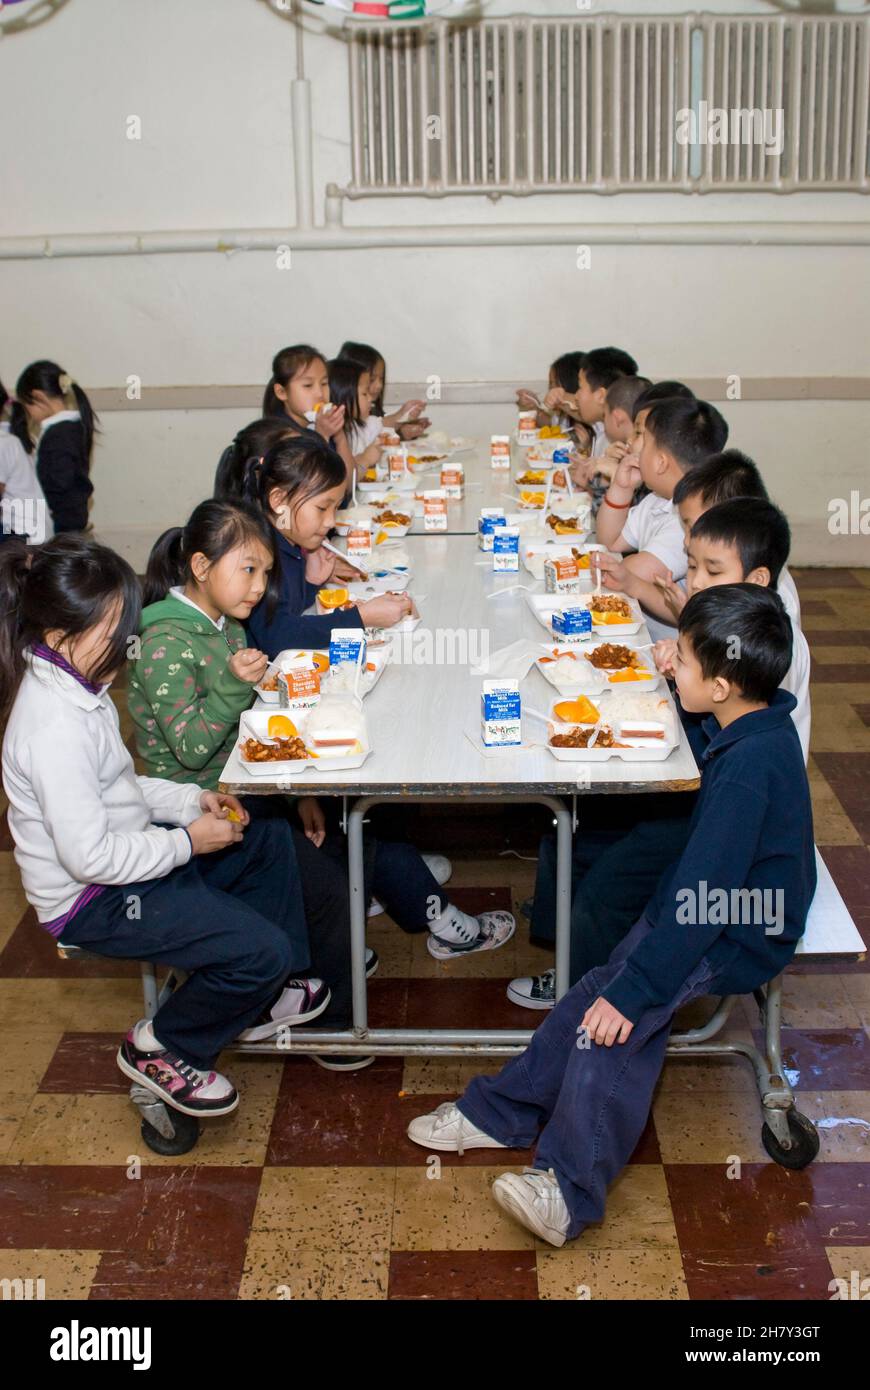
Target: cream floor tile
x=852, y=1264
x=278, y=1265
x=811, y=1001
x=576, y=1272
x=26, y=1053
x=638, y=1214
x=90, y=1006
x=700, y=1128
x=840, y=656
x=843, y=1121
x=392, y=945
x=453, y=1212
x=73, y=1129
x=347, y=1215
x=857, y=990
x=831, y=824
x=65, y=1273
x=837, y=726
x=711, y=1077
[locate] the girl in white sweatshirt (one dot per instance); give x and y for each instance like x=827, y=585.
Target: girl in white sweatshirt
x=139, y=867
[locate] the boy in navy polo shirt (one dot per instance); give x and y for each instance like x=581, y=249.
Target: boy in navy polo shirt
x=725, y=919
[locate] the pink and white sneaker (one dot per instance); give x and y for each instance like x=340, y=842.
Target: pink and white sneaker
x=180, y=1085
x=299, y=1002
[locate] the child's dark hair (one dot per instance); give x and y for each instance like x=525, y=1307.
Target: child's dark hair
x=755, y=528
x=69, y=585
x=344, y=375
x=720, y=479
x=367, y=357
x=602, y=366
x=252, y=442
x=299, y=467
x=285, y=365
x=213, y=530
x=689, y=430
x=623, y=393
x=57, y=384
x=746, y=619
x=4, y=397
x=566, y=370
x=662, y=391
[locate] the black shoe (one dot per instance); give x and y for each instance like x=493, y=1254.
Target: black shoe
x=527, y=908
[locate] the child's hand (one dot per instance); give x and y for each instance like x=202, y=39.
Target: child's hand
x=582, y=470
x=386, y=610
x=319, y=566
x=370, y=456
x=615, y=574
x=330, y=422
x=224, y=805
x=249, y=665
x=628, y=472
x=343, y=569
x=616, y=452
x=663, y=654
x=313, y=819
x=606, y=1025
x=672, y=592
x=557, y=399
x=412, y=429
x=413, y=409
x=213, y=832
x=527, y=400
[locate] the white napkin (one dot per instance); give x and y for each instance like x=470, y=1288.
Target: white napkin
x=511, y=662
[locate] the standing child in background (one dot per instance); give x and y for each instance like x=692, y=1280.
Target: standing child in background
x=23, y=508
x=213, y=896
x=350, y=386
x=582, y=1091
x=298, y=391
x=408, y=421
x=53, y=409
x=678, y=435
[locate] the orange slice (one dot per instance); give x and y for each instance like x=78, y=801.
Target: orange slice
x=381, y=536
x=370, y=476
x=280, y=726
x=532, y=499
x=333, y=598
x=628, y=675
x=605, y=619
x=579, y=711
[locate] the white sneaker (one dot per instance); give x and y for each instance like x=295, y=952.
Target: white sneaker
x=493, y=929
x=534, y=991
x=448, y=1129
x=439, y=867
x=374, y=908
x=299, y=1002
x=535, y=1199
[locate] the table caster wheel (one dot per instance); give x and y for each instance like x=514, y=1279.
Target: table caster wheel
x=185, y=1132
x=804, y=1142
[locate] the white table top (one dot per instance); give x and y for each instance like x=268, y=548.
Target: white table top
x=485, y=486
x=424, y=719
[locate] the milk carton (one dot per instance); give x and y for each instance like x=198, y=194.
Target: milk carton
x=572, y=624
x=527, y=427
x=434, y=510
x=506, y=549
x=500, y=451
x=561, y=576
x=299, y=687
x=359, y=541
x=501, y=714
x=397, y=462
x=453, y=479
x=345, y=644
x=490, y=519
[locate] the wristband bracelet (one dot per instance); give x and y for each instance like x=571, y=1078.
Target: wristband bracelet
x=617, y=506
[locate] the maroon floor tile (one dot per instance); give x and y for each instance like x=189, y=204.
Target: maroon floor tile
x=816, y=608
x=850, y=637
x=849, y=775
x=748, y=1237
x=469, y=1003
x=31, y=953
x=850, y=870
x=841, y=1203
x=85, y=1063
x=825, y=579
x=176, y=1232
x=863, y=712
x=825, y=1059
x=6, y=841
x=827, y=673
x=474, y=900
x=463, y=1274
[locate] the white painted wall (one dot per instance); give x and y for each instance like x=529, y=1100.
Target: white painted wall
x=211, y=84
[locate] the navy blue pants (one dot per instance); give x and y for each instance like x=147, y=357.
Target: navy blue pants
x=233, y=919
x=615, y=869
x=592, y=1101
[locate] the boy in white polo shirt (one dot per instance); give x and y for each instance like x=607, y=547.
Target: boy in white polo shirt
x=677, y=435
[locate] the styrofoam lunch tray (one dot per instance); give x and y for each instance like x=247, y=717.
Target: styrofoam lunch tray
x=377, y=657
x=543, y=606
x=534, y=552
x=606, y=686
x=619, y=706
x=254, y=723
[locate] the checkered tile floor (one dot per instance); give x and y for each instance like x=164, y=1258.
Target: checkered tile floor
x=312, y=1191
